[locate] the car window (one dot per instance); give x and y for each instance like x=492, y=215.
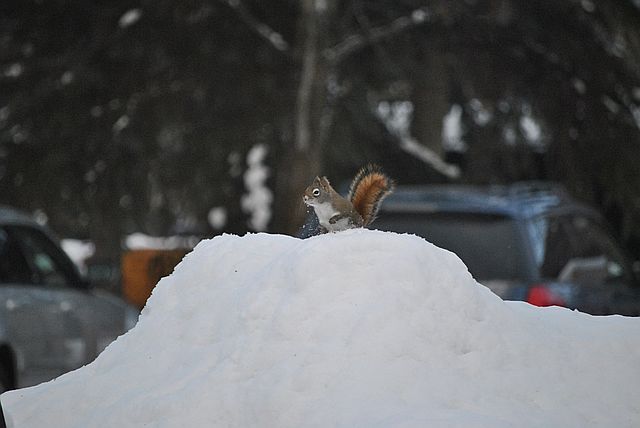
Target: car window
x=490, y=245
x=46, y=262
x=590, y=240
x=551, y=245
x=561, y=243
x=13, y=266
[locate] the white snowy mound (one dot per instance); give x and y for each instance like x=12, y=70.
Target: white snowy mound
x=354, y=329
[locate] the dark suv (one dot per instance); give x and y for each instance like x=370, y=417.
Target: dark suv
x=529, y=242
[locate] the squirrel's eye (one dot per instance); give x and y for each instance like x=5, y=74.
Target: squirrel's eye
x=316, y=192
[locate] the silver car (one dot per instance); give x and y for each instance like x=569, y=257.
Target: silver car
x=51, y=320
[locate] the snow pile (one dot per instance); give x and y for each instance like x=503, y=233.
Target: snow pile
x=359, y=328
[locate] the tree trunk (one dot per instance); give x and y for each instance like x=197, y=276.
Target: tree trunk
x=302, y=160
x=431, y=100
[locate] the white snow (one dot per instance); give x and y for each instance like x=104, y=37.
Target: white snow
x=14, y=70
x=19, y=134
x=129, y=18
x=235, y=160
x=141, y=241
x=79, y=251
x=353, y=329
x=509, y=135
x=588, y=5
x=67, y=77
x=611, y=105
x=321, y=6
x=257, y=201
x=481, y=116
x=397, y=117
x=419, y=16
x=4, y=113
x=120, y=124
x=532, y=132
x=277, y=40
x=635, y=113
x=453, y=130
x=217, y=217
x=579, y=85
x=40, y=217
x=96, y=111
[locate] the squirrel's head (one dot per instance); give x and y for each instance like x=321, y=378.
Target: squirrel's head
x=318, y=192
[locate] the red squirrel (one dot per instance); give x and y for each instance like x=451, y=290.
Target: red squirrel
x=359, y=209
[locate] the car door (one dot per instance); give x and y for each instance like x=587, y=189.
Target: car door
x=46, y=337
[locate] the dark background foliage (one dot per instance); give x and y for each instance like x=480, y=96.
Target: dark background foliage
x=109, y=126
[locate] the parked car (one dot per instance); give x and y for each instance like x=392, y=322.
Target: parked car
x=528, y=241
x=51, y=320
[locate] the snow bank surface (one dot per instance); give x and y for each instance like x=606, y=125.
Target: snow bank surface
x=354, y=329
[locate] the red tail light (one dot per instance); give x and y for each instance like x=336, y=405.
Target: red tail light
x=541, y=295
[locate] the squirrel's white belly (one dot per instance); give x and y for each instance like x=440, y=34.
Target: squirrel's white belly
x=324, y=212
x=342, y=224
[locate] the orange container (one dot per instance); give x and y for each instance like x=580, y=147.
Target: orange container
x=142, y=269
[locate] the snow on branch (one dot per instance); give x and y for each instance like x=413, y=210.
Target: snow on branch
x=257, y=201
x=396, y=117
x=357, y=42
x=267, y=33
x=428, y=156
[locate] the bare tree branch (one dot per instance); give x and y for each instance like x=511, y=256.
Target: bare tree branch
x=397, y=119
x=363, y=20
x=356, y=42
x=305, y=91
x=429, y=157
x=267, y=33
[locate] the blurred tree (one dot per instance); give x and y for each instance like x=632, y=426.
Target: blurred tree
x=131, y=114
x=138, y=116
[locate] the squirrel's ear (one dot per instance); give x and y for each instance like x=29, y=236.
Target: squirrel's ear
x=325, y=182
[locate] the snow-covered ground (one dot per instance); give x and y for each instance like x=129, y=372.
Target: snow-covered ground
x=355, y=329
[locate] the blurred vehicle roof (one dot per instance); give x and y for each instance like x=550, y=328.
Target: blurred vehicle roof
x=523, y=199
x=12, y=215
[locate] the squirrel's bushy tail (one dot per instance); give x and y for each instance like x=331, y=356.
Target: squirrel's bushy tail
x=369, y=187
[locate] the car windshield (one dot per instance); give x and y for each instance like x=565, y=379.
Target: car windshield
x=489, y=245
x=30, y=257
